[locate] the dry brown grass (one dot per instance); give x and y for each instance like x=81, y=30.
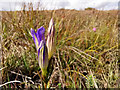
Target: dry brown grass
x=79, y=49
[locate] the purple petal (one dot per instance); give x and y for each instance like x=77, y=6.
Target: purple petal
x=42, y=44
x=45, y=55
x=34, y=35
x=40, y=34
x=44, y=52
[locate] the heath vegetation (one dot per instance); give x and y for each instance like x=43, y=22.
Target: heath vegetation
x=85, y=55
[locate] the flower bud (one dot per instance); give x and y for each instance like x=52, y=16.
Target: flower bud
x=51, y=39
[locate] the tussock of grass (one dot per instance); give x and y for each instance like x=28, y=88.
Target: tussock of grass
x=79, y=50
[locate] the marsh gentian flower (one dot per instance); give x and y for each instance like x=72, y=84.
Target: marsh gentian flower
x=39, y=40
x=51, y=39
x=45, y=49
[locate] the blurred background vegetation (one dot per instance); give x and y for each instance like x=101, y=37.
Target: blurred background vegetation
x=83, y=57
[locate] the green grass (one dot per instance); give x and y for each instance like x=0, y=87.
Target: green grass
x=83, y=58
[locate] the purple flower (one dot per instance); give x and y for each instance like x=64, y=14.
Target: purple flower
x=45, y=49
x=94, y=29
x=39, y=40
